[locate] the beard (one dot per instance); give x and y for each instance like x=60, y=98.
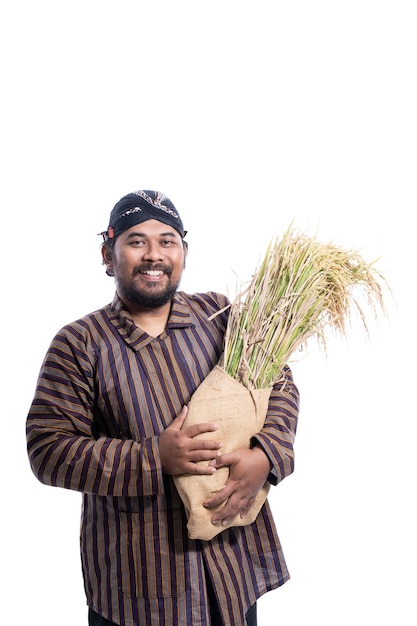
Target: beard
x=151, y=298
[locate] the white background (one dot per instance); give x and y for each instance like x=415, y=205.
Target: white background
x=247, y=115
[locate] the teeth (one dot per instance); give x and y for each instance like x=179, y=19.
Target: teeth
x=154, y=273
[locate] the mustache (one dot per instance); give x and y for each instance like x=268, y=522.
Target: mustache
x=155, y=267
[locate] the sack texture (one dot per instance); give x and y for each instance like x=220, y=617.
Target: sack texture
x=240, y=414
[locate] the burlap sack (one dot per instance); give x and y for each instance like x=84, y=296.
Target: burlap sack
x=240, y=414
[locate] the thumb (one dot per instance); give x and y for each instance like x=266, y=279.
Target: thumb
x=223, y=460
x=180, y=419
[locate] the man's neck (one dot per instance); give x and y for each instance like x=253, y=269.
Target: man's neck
x=152, y=321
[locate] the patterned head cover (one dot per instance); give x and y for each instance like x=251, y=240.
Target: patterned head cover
x=140, y=206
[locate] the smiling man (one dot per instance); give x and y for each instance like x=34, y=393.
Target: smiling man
x=145, y=250
x=107, y=420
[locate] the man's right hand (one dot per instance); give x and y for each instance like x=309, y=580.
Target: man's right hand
x=181, y=450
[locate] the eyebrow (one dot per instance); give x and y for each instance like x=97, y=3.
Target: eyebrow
x=139, y=234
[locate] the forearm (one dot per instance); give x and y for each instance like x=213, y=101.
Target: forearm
x=277, y=436
x=105, y=466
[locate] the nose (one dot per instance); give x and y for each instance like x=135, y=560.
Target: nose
x=153, y=252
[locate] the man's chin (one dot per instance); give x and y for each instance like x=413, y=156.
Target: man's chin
x=152, y=298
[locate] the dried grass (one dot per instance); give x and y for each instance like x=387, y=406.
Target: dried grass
x=302, y=289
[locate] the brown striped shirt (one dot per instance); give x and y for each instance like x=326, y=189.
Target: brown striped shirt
x=105, y=392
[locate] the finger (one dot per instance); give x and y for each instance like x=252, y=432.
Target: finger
x=180, y=419
x=200, y=469
x=178, y=422
x=199, y=429
x=226, y=514
x=247, y=508
x=206, y=444
x=220, y=498
x=224, y=460
x=206, y=456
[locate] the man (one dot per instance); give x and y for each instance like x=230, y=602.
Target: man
x=107, y=419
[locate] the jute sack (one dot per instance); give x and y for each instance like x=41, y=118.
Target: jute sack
x=240, y=414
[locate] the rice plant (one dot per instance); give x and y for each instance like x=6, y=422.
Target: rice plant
x=301, y=289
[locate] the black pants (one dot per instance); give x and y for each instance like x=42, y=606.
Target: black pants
x=214, y=608
x=97, y=620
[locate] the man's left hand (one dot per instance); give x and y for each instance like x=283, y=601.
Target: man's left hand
x=248, y=471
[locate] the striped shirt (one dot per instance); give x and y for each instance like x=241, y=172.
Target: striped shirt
x=106, y=390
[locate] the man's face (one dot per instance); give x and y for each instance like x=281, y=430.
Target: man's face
x=147, y=261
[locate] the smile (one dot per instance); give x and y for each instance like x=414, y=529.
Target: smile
x=153, y=273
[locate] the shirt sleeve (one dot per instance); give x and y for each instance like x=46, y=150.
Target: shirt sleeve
x=278, y=434
x=62, y=448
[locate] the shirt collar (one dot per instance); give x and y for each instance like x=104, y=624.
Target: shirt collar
x=180, y=317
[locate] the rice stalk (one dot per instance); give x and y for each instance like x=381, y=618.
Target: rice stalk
x=302, y=289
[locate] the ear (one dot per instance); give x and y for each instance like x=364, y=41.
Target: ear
x=107, y=255
x=185, y=247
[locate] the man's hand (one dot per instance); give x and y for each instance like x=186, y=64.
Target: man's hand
x=249, y=470
x=181, y=450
